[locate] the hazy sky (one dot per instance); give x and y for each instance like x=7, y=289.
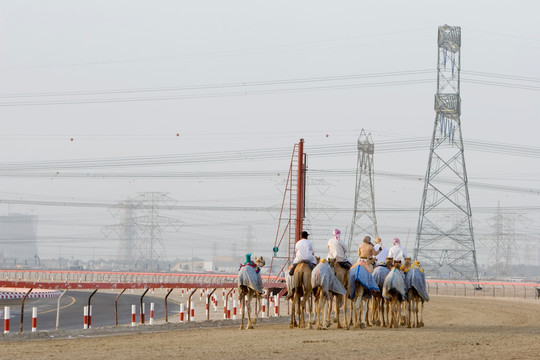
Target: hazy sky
x=154, y=82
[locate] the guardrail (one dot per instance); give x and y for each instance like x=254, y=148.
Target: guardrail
x=484, y=288
x=41, y=279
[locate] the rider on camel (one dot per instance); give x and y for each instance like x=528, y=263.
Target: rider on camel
x=338, y=250
x=303, y=253
x=366, y=250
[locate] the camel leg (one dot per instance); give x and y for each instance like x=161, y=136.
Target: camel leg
x=374, y=311
x=382, y=312
x=345, y=312
x=302, y=313
x=337, y=314
x=367, y=305
x=410, y=304
x=310, y=312
x=416, y=308
x=293, y=315
x=328, y=312
x=421, y=322
x=248, y=305
x=257, y=307
x=363, y=313
x=392, y=312
x=242, y=309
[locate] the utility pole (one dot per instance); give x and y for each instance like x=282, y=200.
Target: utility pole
x=445, y=238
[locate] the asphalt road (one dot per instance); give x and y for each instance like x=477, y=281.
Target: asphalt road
x=72, y=310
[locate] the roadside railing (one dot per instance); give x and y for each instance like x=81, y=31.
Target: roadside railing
x=484, y=288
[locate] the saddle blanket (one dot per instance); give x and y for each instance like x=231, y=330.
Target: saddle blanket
x=415, y=278
x=360, y=275
x=379, y=274
x=394, y=280
x=323, y=275
x=249, y=277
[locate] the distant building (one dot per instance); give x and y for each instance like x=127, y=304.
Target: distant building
x=18, y=238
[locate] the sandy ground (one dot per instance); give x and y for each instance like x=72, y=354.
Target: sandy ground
x=455, y=328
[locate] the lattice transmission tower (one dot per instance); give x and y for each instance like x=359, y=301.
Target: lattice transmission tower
x=445, y=238
x=364, y=221
x=142, y=227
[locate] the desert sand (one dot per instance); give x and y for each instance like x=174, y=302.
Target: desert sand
x=455, y=328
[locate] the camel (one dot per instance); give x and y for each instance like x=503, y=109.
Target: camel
x=250, y=286
x=379, y=308
x=394, y=292
x=342, y=275
x=299, y=290
x=325, y=287
x=416, y=294
x=361, y=287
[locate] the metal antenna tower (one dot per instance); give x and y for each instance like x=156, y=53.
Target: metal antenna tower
x=364, y=221
x=444, y=239
x=292, y=215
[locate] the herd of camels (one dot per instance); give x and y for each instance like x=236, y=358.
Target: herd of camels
x=390, y=295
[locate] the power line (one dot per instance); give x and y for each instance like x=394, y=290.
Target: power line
x=251, y=88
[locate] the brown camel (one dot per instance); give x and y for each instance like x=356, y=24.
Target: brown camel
x=379, y=306
x=342, y=275
x=416, y=294
x=249, y=287
x=415, y=316
x=362, y=296
x=300, y=292
x=394, y=292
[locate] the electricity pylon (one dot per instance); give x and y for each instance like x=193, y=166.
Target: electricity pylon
x=364, y=221
x=445, y=239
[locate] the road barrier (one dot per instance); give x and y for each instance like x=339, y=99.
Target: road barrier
x=133, y=315
x=7, y=316
x=85, y=317
x=34, y=319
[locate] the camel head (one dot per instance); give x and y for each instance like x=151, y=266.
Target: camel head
x=397, y=264
x=389, y=262
x=371, y=262
x=260, y=261
x=332, y=263
x=407, y=262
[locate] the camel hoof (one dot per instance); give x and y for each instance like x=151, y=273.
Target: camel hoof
x=362, y=325
x=420, y=324
x=250, y=327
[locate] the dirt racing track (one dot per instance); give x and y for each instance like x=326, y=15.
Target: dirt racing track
x=455, y=328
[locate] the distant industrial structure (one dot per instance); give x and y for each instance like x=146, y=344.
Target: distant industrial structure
x=18, y=239
x=141, y=228
x=445, y=238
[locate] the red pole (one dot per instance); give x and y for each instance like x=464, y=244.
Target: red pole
x=300, y=192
